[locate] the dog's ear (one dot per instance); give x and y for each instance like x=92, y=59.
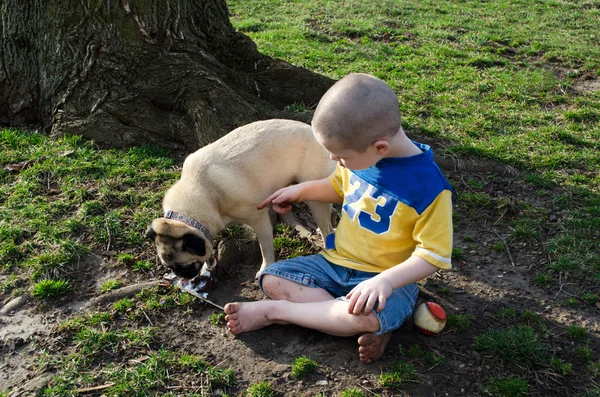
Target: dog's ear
x=194, y=244
x=150, y=233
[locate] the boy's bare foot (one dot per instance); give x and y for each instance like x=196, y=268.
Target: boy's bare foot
x=371, y=346
x=245, y=317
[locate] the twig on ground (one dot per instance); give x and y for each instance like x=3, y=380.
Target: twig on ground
x=86, y=389
x=512, y=262
x=147, y=318
x=109, y=236
x=435, y=296
x=465, y=183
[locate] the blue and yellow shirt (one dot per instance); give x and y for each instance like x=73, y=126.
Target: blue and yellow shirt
x=397, y=208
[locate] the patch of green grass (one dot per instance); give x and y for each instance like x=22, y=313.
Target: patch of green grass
x=594, y=391
x=577, y=333
x=507, y=387
x=143, y=372
x=543, y=280
x=287, y=245
x=417, y=355
x=513, y=345
x=585, y=353
x=460, y=322
x=444, y=291
x=474, y=183
x=72, y=199
x=399, y=374
x=110, y=285
x=476, y=200
x=498, y=246
x=261, y=389
x=533, y=319
x=124, y=304
x=220, y=377
x=458, y=253
x=561, y=367
x=353, y=392
x=589, y=298
x=297, y=108
x=217, y=319
x=51, y=288
x=303, y=366
x=506, y=313
x=95, y=340
x=234, y=232
x=142, y=266
x=87, y=320
x=126, y=259
x=594, y=368
x=468, y=239
x=526, y=228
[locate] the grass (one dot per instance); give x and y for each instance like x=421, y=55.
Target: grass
x=353, y=392
x=110, y=285
x=261, y=389
x=399, y=374
x=495, y=81
x=287, y=245
x=50, y=288
x=417, y=355
x=507, y=387
x=303, y=366
x=513, y=345
x=561, y=367
x=102, y=352
x=70, y=200
x=577, y=333
x=460, y=322
x=217, y=319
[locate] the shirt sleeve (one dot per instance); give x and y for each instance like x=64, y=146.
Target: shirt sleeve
x=433, y=232
x=336, y=180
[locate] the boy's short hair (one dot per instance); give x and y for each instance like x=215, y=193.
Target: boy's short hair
x=356, y=111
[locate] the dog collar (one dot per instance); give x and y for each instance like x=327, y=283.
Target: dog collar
x=188, y=221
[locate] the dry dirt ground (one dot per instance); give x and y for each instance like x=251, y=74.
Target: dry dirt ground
x=482, y=282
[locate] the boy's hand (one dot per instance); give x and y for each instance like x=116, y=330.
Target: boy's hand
x=283, y=199
x=365, y=295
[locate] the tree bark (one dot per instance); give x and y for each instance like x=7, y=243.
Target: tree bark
x=128, y=72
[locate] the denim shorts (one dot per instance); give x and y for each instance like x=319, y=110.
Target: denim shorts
x=317, y=272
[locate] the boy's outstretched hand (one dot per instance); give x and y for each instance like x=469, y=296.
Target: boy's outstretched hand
x=283, y=200
x=365, y=295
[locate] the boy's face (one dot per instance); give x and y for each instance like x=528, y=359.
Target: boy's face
x=349, y=158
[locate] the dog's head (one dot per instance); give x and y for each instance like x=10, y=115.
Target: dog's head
x=181, y=248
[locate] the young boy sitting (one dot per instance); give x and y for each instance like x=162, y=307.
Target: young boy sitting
x=395, y=228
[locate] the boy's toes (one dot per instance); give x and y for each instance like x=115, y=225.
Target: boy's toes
x=372, y=347
x=232, y=308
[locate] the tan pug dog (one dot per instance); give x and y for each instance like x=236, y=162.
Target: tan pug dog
x=222, y=184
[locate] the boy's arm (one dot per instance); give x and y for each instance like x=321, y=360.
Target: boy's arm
x=316, y=190
x=379, y=288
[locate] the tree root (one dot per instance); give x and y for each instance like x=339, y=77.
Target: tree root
x=121, y=293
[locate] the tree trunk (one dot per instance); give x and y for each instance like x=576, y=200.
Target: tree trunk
x=127, y=72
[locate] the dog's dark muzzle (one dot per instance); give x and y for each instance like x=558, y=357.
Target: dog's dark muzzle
x=187, y=271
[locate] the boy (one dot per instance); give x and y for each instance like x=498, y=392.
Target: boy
x=395, y=228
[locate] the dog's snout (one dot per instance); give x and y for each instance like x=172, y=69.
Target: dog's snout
x=186, y=271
